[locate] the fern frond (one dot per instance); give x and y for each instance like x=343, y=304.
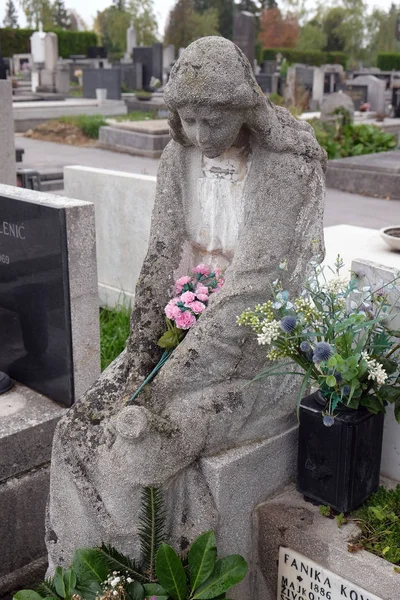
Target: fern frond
x=47, y=589
x=119, y=562
x=151, y=529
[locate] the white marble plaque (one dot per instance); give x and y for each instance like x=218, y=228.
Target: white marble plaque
x=300, y=578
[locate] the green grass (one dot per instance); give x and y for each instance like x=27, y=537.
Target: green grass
x=114, y=331
x=88, y=124
x=138, y=115
x=379, y=520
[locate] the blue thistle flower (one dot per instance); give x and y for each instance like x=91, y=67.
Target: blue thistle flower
x=346, y=390
x=338, y=376
x=322, y=351
x=328, y=420
x=305, y=347
x=288, y=324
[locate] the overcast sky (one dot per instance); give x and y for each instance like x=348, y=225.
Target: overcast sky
x=88, y=9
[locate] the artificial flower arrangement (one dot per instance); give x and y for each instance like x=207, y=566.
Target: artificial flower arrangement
x=338, y=335
x=192, y=295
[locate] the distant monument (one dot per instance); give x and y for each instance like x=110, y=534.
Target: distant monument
x=131, y=42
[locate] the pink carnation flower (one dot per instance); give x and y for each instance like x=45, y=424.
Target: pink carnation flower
x=185, y=320
x=220, y=283
x=181, y=282
x=202, y=269
x=171, y=310
x=187, y=297
x=197, y=307
x=201, y=289
x=218, y=273
x=202, y=297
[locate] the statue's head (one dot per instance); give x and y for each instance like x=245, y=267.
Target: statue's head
x=214, y=101
x=209, y=94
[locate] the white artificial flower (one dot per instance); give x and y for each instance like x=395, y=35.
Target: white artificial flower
x=270, y=332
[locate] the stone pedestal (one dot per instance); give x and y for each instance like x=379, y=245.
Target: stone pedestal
x=7, y=148
x=27, y=423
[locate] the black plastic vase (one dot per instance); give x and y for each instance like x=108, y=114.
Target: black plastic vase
x=339, y=465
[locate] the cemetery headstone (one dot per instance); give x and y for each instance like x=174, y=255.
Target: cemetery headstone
x=244, y=34
x=50, y=51
x=48, y=293
x=376, y=91
x=333, y=101
x=168, y=57
x=7, y=148
x=109, y=79
x=38, y=46
x=157, y=68
x=210, y=207
x=358, y=93
x=144, y=55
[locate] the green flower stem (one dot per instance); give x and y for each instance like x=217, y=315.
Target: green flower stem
x=393, y=350
x=159, y=365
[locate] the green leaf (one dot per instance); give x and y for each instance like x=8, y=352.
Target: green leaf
x=202, y=558
x=46, y=589
x=27, y=595
x=372, y=403
x=134, y=591
x=332, y=362
x=116, y=561
x=170, y=572
x=59, y=583
x=228, y=572
x=171, y=338
x=154, y=589
x=69, y=582
x=389, y=365
x=151, y=529
x=91, y=570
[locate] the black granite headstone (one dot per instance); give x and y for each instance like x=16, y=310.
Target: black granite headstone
x=157, y=69
x=265, y=82
x=144, y=55
x=110, y=79
x=396, y=102
x=244, y=34
x=35, y=322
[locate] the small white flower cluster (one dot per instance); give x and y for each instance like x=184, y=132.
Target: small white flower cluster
x=338, y=285
x=376, y=371
x=270, y=332
x=115, y=583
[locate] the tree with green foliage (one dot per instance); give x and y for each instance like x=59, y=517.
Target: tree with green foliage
x=311, y=37
x=120, y=4
x=225, y=13
x=60, y=15
x=331, y=23
x=11, y=17
x=38, y=11
x=111, y=25
x=381, y=27
x=144, y=21
x=185, y=25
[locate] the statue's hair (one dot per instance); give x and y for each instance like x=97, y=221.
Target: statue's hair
x=214, y=72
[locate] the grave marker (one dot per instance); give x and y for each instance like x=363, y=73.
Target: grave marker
x=48, y=293
x=303, y=579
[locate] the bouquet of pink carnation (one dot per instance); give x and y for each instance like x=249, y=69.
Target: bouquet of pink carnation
x=192, y=296
x=193, y=293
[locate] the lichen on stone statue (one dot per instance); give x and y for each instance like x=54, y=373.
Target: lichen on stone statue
x=240, y=187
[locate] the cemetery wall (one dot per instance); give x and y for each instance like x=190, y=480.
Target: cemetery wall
x=123, y=206
x=313, y=58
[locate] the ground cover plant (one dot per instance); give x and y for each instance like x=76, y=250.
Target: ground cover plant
x=114, y=331
x=103, y=573
x=379, y=521
x=138, y=115
x=88, y=124
x=341, y=141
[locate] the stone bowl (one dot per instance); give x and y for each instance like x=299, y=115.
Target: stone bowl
x=391, y=235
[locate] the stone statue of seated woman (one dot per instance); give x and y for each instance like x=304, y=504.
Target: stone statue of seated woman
x=240, y=187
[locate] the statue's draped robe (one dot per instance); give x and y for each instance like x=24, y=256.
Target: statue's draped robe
x=199, y=404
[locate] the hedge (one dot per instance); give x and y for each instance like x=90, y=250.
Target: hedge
x=17, y=41
x=389, y=61
x=307, y=57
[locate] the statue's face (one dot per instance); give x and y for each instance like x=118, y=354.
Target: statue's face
x=211, y=129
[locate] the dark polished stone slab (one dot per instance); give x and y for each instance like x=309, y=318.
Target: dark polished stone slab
x=35, y=322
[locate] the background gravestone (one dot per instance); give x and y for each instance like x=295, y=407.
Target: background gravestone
x=48, y=293
x=144, y=56
x=157, y=68
x=358, y=93
x=244, y=34
x=376, y=91
x=7, y=148
x=110, y=79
